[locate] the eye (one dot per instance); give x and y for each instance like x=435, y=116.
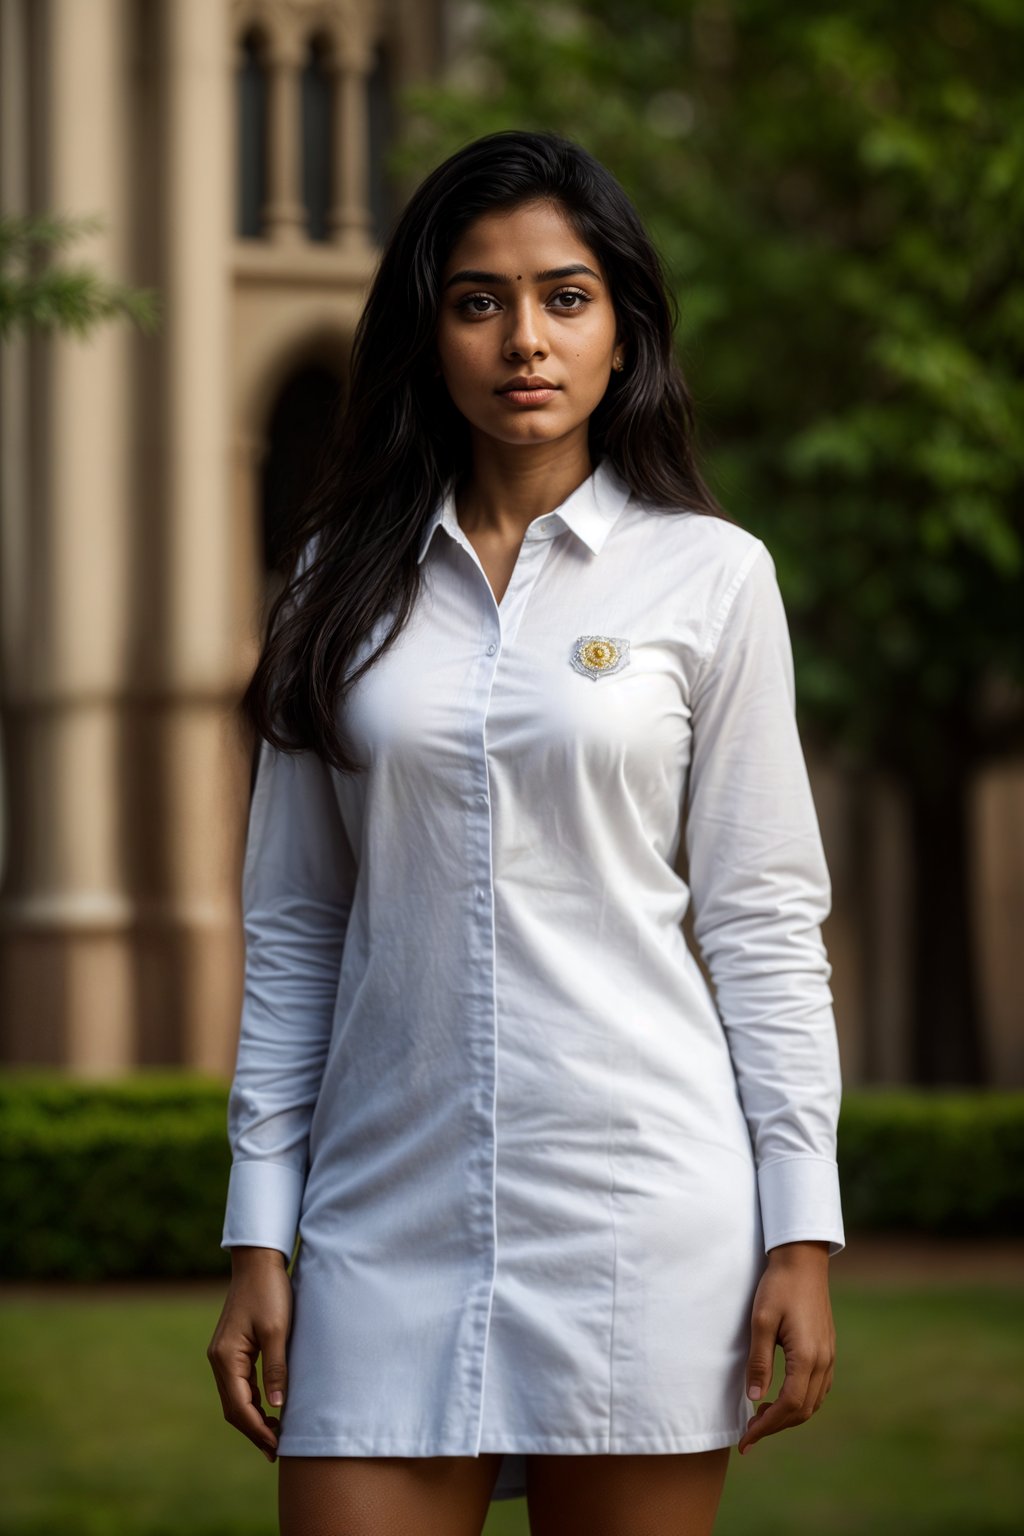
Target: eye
x=572, y=293
x=466, y=305
x=474, y=298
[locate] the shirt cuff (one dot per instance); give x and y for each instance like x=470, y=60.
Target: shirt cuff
x=263, y=1205
x=800, y=1201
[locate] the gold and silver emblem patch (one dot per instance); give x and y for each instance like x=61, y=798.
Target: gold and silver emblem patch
x=599, y=655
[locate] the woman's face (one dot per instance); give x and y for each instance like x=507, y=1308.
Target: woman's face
x=521, y=295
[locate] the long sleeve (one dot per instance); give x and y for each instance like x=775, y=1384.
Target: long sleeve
x=297, y=885
x=761, y=892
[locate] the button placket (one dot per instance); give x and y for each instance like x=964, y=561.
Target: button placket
x=486, y=1042
x=529, y=563
x=533, y=553
x=483, y=1044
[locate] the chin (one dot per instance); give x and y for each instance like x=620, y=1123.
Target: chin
x=531, y=433
x=533, y=426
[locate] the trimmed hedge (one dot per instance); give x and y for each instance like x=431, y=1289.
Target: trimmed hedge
x=119, y=1179
x=127, y=1178
x=943, y=1161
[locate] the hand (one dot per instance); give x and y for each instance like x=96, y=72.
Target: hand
x=257, y=1315
x=792, y=1307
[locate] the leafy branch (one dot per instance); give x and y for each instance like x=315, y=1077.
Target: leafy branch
x=39, y=294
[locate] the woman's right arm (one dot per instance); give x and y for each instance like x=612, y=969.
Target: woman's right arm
x=297, y=886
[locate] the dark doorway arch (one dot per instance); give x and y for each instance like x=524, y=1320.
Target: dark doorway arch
x=297, y=434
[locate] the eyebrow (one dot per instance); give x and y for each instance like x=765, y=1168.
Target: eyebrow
x=474, y=275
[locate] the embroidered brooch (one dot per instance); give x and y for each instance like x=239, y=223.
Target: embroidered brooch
x=599, y=655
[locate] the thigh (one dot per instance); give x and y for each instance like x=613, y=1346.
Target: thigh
x=379, y=1495
x=650, y=1495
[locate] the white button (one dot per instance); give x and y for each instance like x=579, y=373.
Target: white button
x=491, y=648
x=481, y=895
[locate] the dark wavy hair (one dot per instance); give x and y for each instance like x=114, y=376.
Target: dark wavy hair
x=400, y=443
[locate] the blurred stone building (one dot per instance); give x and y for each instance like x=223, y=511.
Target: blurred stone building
x=237, y=151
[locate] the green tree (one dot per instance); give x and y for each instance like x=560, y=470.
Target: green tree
x=838, y=193
x=38, y=294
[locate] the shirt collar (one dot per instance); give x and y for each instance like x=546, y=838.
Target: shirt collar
x=589, y=511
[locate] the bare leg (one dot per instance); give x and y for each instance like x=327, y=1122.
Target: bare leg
x=651, y=1495
x=382, y=1495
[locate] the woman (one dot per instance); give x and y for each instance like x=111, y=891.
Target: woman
x=557, y=1205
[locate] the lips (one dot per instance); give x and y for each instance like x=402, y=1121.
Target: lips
x=525, y=383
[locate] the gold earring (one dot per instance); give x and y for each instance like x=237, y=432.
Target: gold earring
x=617, y=364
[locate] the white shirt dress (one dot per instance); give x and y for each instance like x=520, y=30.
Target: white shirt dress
x=535, y=1164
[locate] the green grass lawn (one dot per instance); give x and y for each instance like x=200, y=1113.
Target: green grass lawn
x=111, y=1424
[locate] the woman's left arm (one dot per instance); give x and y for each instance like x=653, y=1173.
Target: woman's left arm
x=761, y=892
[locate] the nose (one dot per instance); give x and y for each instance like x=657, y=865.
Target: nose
x=525, y=336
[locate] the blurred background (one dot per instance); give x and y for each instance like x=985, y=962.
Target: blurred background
x=193, y=196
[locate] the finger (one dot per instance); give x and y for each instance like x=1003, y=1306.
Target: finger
x=275, y=1365
x=764, y=1330
x=269, y=1419
x=826, y=1386
x=753, y=1431
x=814, y=1392
x=218, y=1358
x=240, y=1407
x=786, y=1409
x=272, y=1424
x=769, y=1419
x=796, y=1386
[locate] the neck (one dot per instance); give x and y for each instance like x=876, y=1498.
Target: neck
x=508, y=485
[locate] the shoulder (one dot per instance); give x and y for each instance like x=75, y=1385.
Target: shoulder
x=708, y=558
x=697, y=534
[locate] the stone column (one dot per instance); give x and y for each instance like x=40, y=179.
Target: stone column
x=284, y=217
x=350, y=220
x=15, y=469
x=193, y=930
x=66, y=965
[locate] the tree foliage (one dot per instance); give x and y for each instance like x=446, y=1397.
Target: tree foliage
x=838, y=193
x=38, y=294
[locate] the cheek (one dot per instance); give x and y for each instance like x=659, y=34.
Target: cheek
x=461, y=351
x=590, y=368
x=593, y=350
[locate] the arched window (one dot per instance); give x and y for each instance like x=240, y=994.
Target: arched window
x=383, y=205
x=316, y=138
x=251, y=106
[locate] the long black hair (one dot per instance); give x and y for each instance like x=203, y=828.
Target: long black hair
x=400, y=443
